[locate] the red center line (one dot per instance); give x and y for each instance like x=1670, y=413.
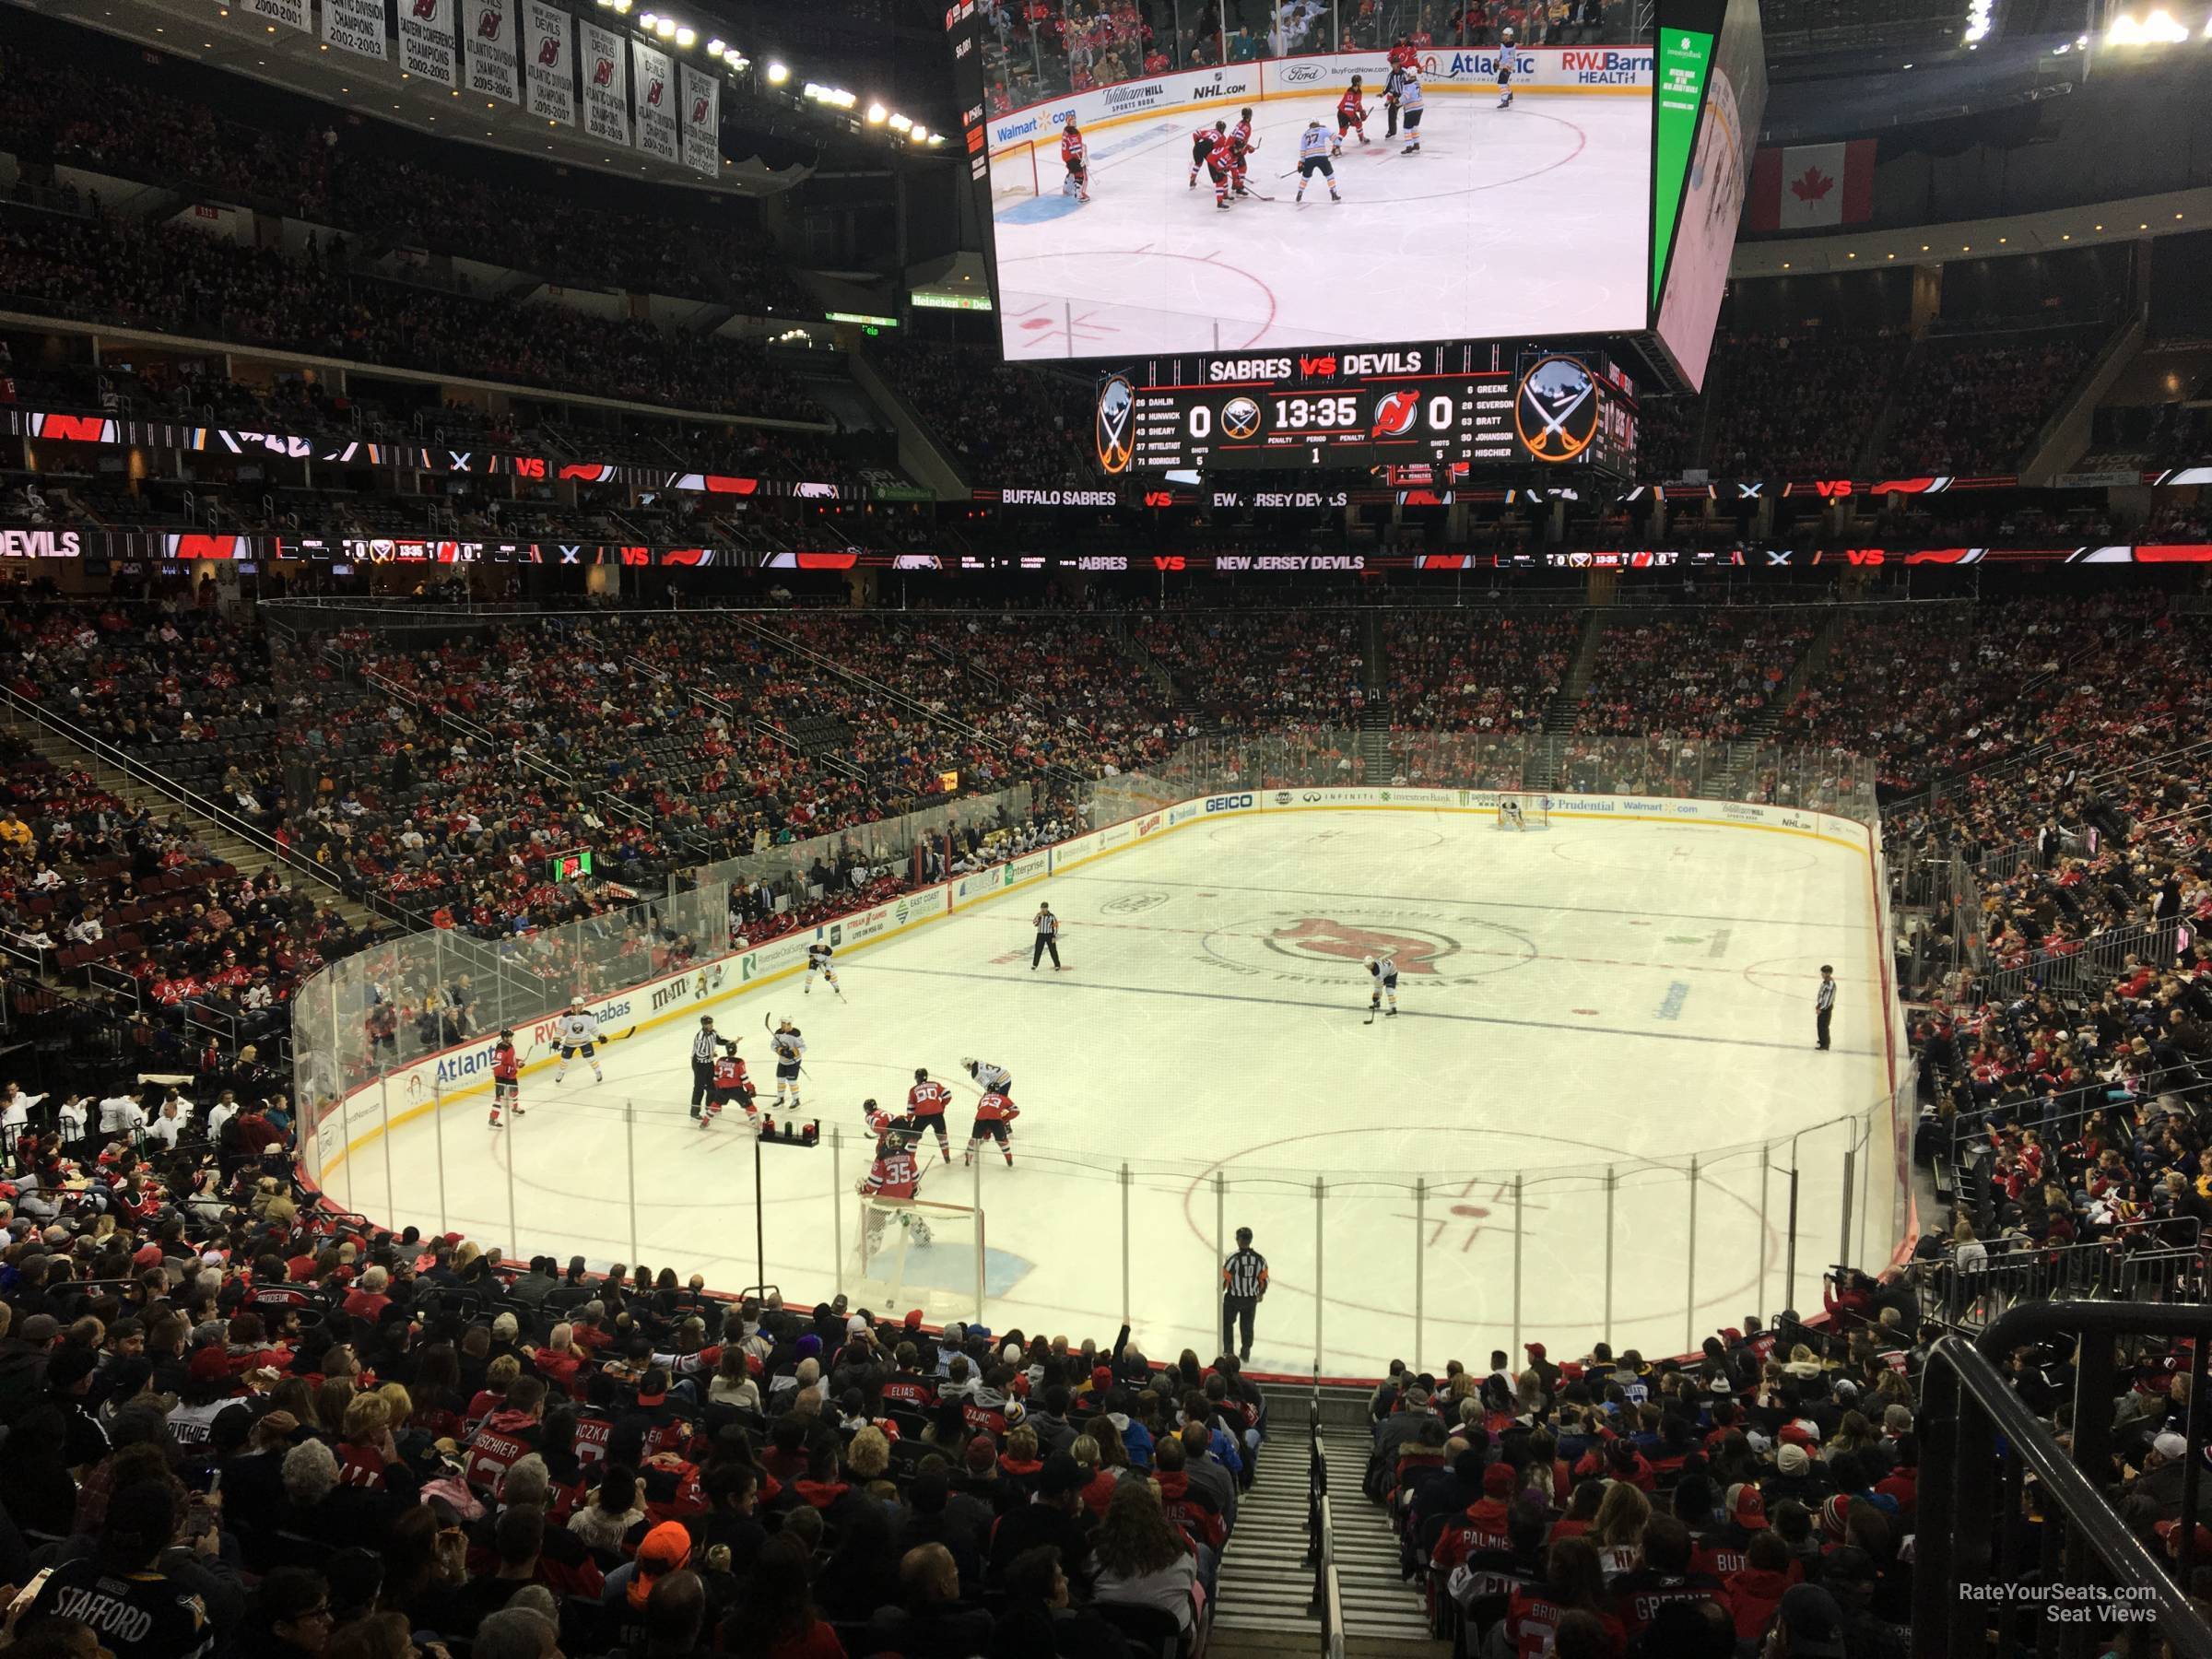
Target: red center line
x=1547, y=956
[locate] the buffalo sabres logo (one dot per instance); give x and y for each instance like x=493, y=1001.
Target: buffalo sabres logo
x=1556, y=411
x=1240, y=418
x=1117, y=402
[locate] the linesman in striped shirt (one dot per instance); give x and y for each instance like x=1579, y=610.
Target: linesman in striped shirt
x=1824, y=1004
x=1243, y=1282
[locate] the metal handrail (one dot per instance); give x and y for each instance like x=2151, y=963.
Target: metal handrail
x=1979, y=1442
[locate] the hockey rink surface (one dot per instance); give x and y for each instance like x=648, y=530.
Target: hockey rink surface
x=1530, y=220
x=1597, y=998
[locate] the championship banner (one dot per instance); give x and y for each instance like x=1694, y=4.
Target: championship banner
x=655, y=100
x=358, y=26
x=292, y=13
x=426, y=41
x=702, y=121
x=605, y=85
x=493, y=66
x=549, y=62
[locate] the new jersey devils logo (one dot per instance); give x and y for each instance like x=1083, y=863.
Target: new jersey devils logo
x=1318, y=936
x=490, y=21
x=1395, y=413
x=602, y=73
x=699, y=112
x=426, y=9
x=549, y=51
x=653, y=94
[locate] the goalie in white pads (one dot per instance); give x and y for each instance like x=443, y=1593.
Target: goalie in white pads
x=789, y=1048
x=1508, y=810
x=577, y=1032
x=895, y=1177
x=1382, y=975
x=818, y=966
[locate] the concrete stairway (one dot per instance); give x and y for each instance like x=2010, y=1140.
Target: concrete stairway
x=1263, y=1604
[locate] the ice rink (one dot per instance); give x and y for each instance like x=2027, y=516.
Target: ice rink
x=1594, y=1006
x=1530, y=220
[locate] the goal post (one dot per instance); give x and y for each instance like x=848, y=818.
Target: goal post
x=1517, y=811
x=1014, y=171
x=917, y=1253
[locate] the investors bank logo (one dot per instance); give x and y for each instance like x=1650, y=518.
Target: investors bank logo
x=1330, y=949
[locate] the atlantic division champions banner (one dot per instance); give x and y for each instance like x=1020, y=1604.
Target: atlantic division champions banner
x=655, y=99
x=548, y=63
x=702, y=121
x=493, y=68
x=605, y=84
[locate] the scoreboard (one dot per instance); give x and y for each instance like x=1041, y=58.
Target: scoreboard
x=1457, y=408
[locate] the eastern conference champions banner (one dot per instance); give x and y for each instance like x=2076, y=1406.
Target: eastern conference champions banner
x=605, y=98
x=548, y=63
x=655, y=102
x=702, y=122
x=492, y=66
x=426, y=41
x=356, y=26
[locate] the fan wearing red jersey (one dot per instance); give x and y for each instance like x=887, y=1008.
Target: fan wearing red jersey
x=995, y=1116
x=925, y=1103
x=1073, y=157
x=1351, y=116
x=1220, y=164
x=1202, y=148
x=506, y=1078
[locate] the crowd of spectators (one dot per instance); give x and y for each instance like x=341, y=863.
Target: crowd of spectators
x=1798, y=406
x=1024, y=428
x=1705, y=676
x=184, y=281
x=1259, y=669
x=380, y=186
x=1970, y=406
x=1484, y=672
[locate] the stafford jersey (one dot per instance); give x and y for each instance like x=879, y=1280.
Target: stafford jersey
x=1313, y=143
x=576, y=1029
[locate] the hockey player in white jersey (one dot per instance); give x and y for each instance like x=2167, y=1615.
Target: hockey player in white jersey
x=789, y=1047
x=577, y=1031
x=1505, y=70
x=1382, y=975
x=818, y=967
x=1314, y=146
x=990, y=1078
x=1409, y=106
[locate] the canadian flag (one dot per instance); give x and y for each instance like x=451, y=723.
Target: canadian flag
x=1808, y=187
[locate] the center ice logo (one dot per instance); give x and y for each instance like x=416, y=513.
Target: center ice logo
x=1320, y=936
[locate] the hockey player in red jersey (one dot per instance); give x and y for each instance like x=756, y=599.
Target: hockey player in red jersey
x=1220, y=166
x=1241, y=145
x=1202, y=147
x=894, y=1174
x=730, y=1084
x=1073, y=157
x=506, y=1078
x=1351, y=116
x=927, y=1101
x=995, y=1116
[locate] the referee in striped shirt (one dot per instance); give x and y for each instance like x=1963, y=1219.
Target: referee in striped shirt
x=1824, y=1002
x=1243, y=1282
x=704, y=1044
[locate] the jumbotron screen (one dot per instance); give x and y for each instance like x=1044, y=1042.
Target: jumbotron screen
x=1511, y=190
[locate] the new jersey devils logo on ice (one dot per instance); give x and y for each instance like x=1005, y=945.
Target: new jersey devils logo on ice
x=1395, y=413
x=1320, y=936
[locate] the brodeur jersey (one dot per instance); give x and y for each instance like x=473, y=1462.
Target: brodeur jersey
x=506, y=1065
x=995, y=1108
x=1349, y=106
x=578, y=1028
x=1313, y=143
x=1071, y=150
x=789, y=1046
x=928, y=1099
x=893, y=1175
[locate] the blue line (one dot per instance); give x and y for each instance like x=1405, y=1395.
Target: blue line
x=1670, y=1007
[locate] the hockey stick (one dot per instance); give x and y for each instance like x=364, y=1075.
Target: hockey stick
x=1370, y=1016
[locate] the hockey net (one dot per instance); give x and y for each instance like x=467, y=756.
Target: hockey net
x=1523, y=811
x=1014, y=170
x=916, y=1253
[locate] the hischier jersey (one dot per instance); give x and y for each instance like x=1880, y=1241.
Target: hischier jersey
x=928, y=1099
x=576, y=1029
